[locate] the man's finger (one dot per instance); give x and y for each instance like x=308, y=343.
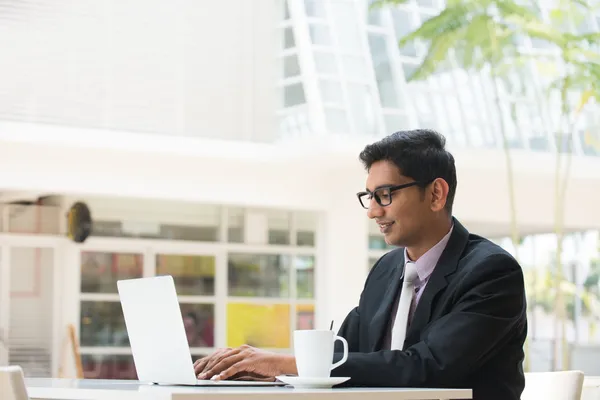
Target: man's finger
x=201, y=363
x=216, y=359
x=226, y=363
x=233, y=370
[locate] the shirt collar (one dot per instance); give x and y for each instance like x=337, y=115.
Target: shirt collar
x=427, y=262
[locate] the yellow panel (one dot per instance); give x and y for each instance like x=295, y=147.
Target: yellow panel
x=258, y=325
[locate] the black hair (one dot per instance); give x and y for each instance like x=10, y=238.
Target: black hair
x=419, y=154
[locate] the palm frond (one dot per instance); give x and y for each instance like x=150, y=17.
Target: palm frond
x=446, y=22
x=435, y=57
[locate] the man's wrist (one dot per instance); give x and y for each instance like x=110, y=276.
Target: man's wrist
x=288, y=365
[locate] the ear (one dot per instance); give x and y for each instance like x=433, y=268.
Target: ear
x=439, y=194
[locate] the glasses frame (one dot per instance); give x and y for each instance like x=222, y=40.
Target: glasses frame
x=392, y=189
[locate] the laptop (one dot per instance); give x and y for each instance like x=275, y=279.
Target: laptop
x=159, y=345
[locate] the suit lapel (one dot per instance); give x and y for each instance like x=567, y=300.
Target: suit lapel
x=446, y=266
x=381, y=319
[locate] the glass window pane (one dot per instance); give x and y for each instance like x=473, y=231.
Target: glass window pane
x=347, y=30
x=337, y=120
x=193, y=233
x=258, y=275
x=315, y=8
x=259, y=325
x=305, y=239
x=325, y=63
x=395, y=123
x=193, y=275
x=408, y=70
x=362, y=109
x=108, y=366
x=426, y=3
x=288, y=38
x=355, y=68
x=291, y=67
x=133, y=229
x=374, y=14
x=305, y=316
x=199, y=324
x=331, y=91
x=278, y=223
x=235, y=225
x=305, y=276
x=319, y=34
x=286, y=10
x=293, y=95
x=403, y=25
x=100, y=271
x=306, y=228
x=383, y=71
x=102, y=324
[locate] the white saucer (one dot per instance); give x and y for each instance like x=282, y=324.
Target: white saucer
x=312, y=383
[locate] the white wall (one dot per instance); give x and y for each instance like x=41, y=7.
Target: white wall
x=186, y=67
x=281, y=176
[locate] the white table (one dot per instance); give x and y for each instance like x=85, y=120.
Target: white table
x=89, y=389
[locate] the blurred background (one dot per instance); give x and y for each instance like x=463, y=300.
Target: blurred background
x=218, y=141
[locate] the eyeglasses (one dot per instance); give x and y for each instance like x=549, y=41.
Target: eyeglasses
x=383, y=195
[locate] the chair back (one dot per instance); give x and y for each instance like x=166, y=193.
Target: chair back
x=558, y=385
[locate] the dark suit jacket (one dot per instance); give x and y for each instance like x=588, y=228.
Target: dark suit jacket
x=467, y=331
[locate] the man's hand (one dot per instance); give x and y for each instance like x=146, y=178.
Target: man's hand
x=245, y=361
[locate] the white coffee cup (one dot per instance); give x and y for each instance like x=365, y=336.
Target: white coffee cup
x=313, y=350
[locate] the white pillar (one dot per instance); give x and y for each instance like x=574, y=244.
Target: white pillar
x=342, y=260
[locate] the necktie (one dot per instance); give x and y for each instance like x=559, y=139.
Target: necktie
x=406, y=297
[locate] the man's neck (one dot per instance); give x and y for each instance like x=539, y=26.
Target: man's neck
x=433, y=237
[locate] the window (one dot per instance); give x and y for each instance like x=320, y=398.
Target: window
x=306, y=228
x=404, y=24
x=325, y=63
x=278, y=224
x=291, y=68
x=355, y=68
x=363, y=109
x=349, y=38
x=288, y=38
x=315, y=8
x=258, y=275
x=264, y=291
x=293, y=95
x=331, y=92
x=193, y=275
x=319, y=34
x=235, y=225
x=383, y=71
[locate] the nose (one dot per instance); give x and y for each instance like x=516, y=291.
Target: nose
x=375, y=210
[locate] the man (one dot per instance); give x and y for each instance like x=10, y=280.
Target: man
x=446, y=309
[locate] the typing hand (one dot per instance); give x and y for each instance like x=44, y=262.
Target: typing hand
x=244, y=361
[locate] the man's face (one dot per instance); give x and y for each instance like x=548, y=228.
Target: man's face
x=403, y=220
